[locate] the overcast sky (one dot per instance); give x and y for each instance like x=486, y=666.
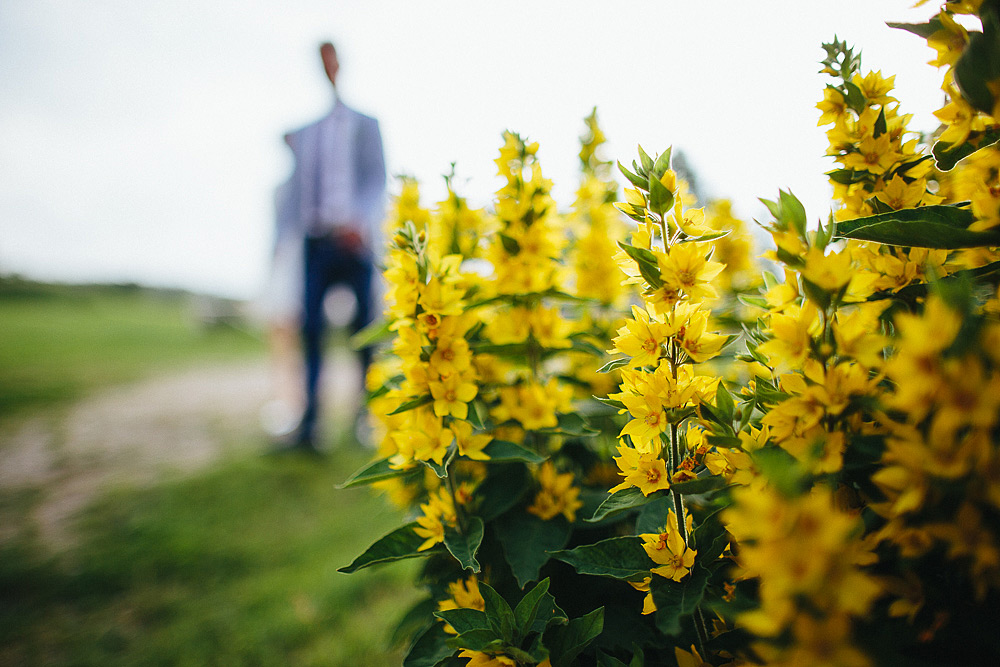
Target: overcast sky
x=141, y=141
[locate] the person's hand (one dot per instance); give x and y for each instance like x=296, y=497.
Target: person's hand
x=350, y=240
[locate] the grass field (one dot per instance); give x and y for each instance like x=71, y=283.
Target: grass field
x=58, y=342
x=234, y=564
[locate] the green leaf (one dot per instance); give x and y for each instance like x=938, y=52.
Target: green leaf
x=635, y=180
x=605, y=660
x=441, y=469
x=938, y=226
x=527, y=540
x=463, y=546
x=501, y=451
x=463, y=620
x=653, y=517
x=374, y=333
x=674, y=600
x=793, y=213
x=571, y=423
x=579, y=345
x=498, y=612
x=510, y=244
x=661, y=199
x=617, y=557
x=549, y=613
x=946, y=156
x=924, y=30
x=375, y=471
x=724, y=440
x=847, y=176
x=566, y=642
x=399, y=544
x=646, y=261
x=755, y=301
x=477, y=640
x=855, y=98
x=503, y=488
x=614, y=364
x=662, y=163
x=724, y=403
x=412, y=404
x=698, y=486
x=647, y=162
x=413, y=622
x=621, y=501
x=429, y=648
x=527, y=609
x=476, y=411
x=880, y=127
x=977, y=66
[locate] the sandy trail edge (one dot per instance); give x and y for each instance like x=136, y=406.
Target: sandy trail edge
x=141, y=433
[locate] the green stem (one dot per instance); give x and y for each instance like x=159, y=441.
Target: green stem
x=459, y=512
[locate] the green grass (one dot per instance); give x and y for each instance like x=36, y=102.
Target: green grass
x=58, y=342
x=233, y=566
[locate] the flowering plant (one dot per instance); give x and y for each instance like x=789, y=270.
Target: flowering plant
x=788, y=472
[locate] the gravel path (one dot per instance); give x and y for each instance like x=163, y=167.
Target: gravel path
x=142, y=433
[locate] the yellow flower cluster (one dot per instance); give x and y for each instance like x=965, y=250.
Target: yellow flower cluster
x=802, y=548
x=939, y=476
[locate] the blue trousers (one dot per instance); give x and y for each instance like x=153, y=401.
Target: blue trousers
x=328, y=263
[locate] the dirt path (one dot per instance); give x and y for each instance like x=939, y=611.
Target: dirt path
x=142, y=433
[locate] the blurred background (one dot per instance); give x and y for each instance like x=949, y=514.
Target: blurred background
x=140, y=147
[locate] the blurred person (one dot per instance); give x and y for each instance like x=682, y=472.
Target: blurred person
x=281, y=305
x=338, y=187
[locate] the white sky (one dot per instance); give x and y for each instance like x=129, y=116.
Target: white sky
x=141, y=141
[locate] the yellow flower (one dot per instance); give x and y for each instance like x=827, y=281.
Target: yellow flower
x=452, y=395
x=873, y=155
x=451, y=355
x=792, y=333
x=828, y=272
x=643, y=470
x=480, y=659
x=833, y=106
x=692, y=659
x=875, y=88
x=668, y=551
x=550, y=328
x=699, y=344
x=642, y=338
x=464, y=594
x=438, y=513
x=469, y=444
x=686, y=267
x=556, y=496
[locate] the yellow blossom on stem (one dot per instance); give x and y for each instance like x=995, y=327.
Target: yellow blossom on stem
x=452, y=395
x=673, y=558
x=686, y=267
x=642, y=338
x=643, y=470
x=557, y=494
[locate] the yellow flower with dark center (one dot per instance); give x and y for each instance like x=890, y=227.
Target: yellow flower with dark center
x=452, y=395
x=673, y=558
x=643, y=470
x=642, y=338
x=686, y=267
x=451, y=355
x=876, y=156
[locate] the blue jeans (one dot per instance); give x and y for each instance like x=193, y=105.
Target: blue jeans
x=328, y=263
